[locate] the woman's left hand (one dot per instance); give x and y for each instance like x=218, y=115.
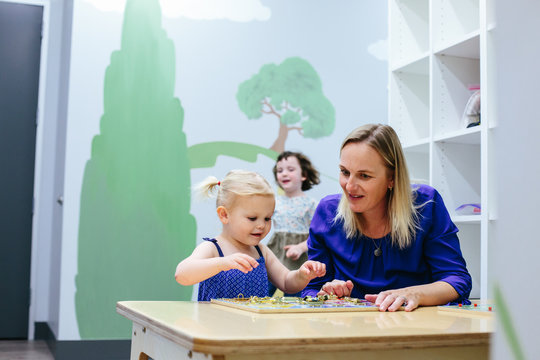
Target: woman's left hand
x=392, y=300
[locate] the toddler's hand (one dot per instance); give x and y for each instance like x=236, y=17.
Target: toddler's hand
x=242, y=262
x=293, y=251
x=312, y=269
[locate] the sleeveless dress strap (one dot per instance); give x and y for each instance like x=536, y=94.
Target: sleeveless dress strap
x=259, y=251
x=214, y=241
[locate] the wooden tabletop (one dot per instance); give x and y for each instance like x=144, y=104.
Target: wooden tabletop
x=211, y=328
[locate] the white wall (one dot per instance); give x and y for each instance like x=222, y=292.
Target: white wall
x=517, y=147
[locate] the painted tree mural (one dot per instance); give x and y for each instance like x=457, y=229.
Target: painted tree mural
x=291, y=93
x=135, y=223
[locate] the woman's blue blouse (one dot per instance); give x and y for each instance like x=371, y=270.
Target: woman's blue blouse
x=434, y=255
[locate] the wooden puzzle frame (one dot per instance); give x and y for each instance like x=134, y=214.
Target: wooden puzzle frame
x=268, y=305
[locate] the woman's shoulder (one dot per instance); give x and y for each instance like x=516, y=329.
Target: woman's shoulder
x=424, y=193
x=330, y=200
x=325, y=213
x=428, y=200
x=328, y=205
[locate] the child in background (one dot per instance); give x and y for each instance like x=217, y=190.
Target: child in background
x=234, y=262
x=295, y=174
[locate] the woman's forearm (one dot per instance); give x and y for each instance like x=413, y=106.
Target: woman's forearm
x=437, y=293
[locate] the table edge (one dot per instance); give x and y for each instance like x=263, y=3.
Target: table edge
x=234, y=346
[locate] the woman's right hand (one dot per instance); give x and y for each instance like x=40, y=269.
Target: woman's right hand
x=242, y=262
x=336, y=287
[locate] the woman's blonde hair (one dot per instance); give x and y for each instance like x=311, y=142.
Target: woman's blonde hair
x=402, y=213
x=235, y=183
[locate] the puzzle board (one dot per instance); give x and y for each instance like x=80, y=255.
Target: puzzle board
x=477, y=309
x=296, y=305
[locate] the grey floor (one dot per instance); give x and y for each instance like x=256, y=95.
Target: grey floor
x=24, y=350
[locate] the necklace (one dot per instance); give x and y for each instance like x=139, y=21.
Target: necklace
x=378, y=251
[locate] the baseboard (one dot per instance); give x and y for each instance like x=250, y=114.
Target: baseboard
x=82, y=349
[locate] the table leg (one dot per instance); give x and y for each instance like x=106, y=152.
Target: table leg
x=147, y=345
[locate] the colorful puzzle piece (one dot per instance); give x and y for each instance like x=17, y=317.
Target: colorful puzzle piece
x=297, y=304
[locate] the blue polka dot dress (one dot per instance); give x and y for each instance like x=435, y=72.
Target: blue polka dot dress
x=231, y=283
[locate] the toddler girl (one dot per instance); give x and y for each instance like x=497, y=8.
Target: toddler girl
x=234, y=262
x=294, y=174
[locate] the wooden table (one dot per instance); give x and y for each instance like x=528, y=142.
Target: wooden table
x=164, y=330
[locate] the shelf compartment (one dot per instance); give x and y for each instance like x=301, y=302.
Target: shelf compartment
x=418, y=65
x=461, y=136
x=452, y=20
x=469, y=240
x=409, y=29
x=417, y=158
x=467, y=47
x=456, y=173
x=452, y=76
x=413, y=144
x=466, y=219
x=409, y=101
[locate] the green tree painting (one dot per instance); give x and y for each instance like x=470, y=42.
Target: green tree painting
x=135, y=223
x=291, y=93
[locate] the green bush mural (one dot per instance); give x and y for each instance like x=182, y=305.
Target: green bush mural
x=292, y=93
x=134, y=222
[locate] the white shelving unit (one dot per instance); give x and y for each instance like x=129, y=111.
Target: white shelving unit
x=438, y=48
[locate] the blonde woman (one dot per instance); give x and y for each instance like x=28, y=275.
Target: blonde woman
x=382, y=239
